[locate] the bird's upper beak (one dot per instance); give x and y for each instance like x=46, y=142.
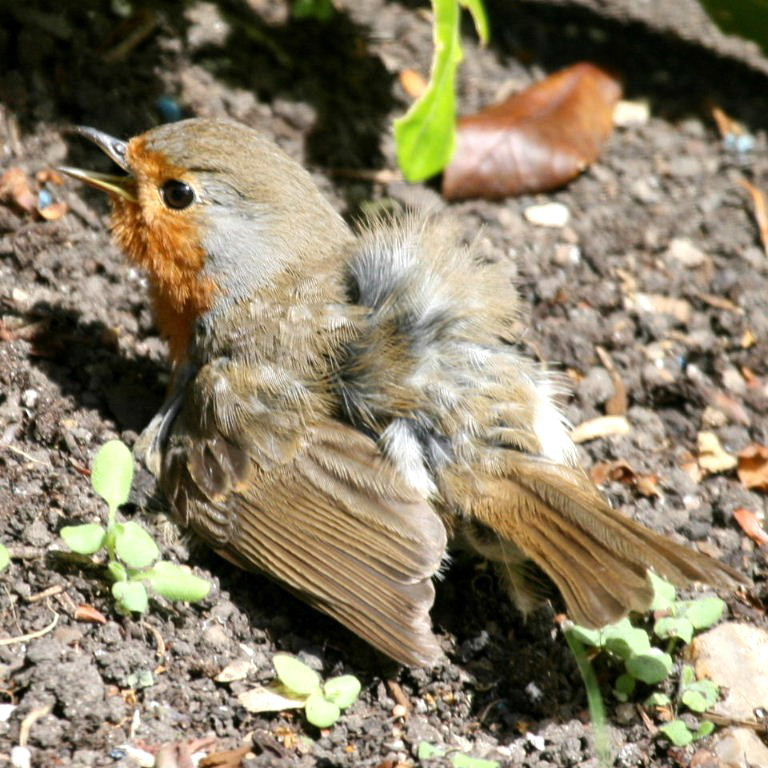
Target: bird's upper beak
x=116, y=149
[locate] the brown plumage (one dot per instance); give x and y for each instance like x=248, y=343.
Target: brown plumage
x=342, y=404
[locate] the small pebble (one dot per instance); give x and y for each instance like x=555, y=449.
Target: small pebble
x=30, y=397
x=554, y=215
x=21, y=757
x=627, y=114
x=686, y=253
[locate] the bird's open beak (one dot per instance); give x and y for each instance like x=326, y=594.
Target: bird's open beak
x=124, y=186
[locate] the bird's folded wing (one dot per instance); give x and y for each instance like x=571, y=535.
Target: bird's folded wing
x=336, y=523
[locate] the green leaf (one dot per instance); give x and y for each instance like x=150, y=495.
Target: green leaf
x=687, y=675
x=117, y=571
x=296, y=675
x=702, y=613
x=176, y=582
x=664, y=593
x=426, y=134
x=700, y=696
x=625, y=687
x=131, y=596
x=746, y=18
x=704, y=730
x=112, y=473
x=84, y=539
x=321, y=10
x=677, y=732
x=321, y=712
x=429, y=751
x=625, y=640
x=658, y=699
x=650, y=667
x=342, y=691
x=134, y=546
x=674, y=626
x=586, y=635
x=479, y=18
x=5, y=557
x=694, y=700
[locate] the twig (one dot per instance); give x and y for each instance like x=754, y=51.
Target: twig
x=31, y=635
x=56, y=589
x=30, y=720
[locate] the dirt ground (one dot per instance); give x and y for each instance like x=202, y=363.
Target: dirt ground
x=80, y=361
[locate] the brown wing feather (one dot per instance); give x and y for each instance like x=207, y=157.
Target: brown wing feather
x=336, y=524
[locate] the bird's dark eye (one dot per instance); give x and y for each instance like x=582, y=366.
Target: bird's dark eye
x=178, y=194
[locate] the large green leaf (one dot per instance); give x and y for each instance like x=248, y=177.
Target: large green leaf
x=176, y=583
x=134, y=546
x=295, y=674
x=426, y=134
x=84, y=539
x=112, y=473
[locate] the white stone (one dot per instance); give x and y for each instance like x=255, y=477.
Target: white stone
x=735, y=656
x=547, y=215
x=740, y=748
x=631, y=113
x=686, y=253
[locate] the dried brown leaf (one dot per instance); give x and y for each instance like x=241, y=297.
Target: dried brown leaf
x=761, y=210
x=53, y=211
x=752, y=524
x=413, y=82
x=621, y=471
x=87, y=612
x=535, y=140
x=15, y=189
x=753, y=467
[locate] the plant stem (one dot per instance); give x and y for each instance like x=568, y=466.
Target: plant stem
x=603, y=742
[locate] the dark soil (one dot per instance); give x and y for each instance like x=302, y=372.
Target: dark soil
x=80, y=361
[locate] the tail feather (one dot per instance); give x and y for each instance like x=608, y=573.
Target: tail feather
x=598, y=559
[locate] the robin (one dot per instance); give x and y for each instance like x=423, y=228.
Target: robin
x=342, y=405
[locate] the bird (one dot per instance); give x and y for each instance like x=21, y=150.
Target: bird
x=345, y=405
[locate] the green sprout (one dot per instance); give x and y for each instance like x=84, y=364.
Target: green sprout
x=323, y=702
x=429, y=751
x=5, y=557
x=132, y=554
x=426, y=135
x=646, y=664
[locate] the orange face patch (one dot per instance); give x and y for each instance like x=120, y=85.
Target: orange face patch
x=168, y=244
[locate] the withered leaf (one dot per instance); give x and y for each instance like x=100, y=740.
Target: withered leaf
x=536, y=140
x=15, y=189
x=753, y=467
x=621, y=471
x=751, y=523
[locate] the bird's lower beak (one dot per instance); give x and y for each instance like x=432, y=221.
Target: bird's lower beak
x=124, y=186
x=116, y=149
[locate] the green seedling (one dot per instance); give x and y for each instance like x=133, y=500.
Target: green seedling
x=5, y=557
x=429, y=751
x=300, y=687
x=426, y=134
x=645, y=664
x=132, y=556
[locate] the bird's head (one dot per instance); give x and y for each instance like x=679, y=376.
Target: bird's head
x=215, y=212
